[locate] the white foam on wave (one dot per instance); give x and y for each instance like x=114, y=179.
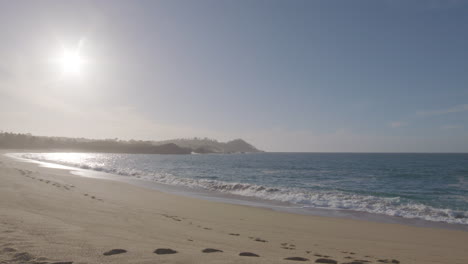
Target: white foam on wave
x=337, y=200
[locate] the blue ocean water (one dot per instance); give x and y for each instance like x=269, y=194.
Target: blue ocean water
x=431, y=187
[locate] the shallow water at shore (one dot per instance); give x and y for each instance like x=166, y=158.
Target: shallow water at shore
x=417, y=189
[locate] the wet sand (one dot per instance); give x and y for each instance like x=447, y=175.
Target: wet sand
x=51, y=216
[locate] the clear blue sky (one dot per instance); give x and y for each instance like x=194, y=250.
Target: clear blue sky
x=284, y=75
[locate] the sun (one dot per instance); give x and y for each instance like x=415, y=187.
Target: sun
x=71, y=62
x=70, y=59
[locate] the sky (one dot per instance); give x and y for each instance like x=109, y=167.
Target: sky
x=318, y=76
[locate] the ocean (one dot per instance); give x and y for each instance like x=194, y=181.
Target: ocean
x=428, y=187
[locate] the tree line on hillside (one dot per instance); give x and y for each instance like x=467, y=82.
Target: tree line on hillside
x=178, y=146
x=28, y=141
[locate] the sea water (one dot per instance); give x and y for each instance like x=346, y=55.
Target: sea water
x=432, y=187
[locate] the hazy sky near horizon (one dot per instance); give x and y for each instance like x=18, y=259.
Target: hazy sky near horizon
x=358, y=76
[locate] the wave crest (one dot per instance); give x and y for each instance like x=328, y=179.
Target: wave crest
x=337, y=200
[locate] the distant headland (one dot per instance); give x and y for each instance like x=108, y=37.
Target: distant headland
x=174, y=146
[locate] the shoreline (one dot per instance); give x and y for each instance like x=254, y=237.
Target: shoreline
x=52, y=214
x=209, y=195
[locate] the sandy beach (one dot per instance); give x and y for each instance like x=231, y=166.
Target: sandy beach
x=52, y=216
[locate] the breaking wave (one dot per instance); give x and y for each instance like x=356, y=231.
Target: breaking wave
x=325, y=199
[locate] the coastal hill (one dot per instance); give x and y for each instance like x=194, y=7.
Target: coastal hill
x=176, y=146
x=206, y=145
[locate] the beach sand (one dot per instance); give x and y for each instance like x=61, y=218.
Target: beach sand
x=50, y=216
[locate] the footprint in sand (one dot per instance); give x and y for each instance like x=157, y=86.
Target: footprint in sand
x=114, y=252
x=258, y=239
x=211, y=250
x=248, y=254
x=324, y=260
x=297, y=259
x=164, y=251
x=8, y=250
x=234, y=234
x=22, y=257
x=173, y=217
x=290, y=246
x=394, y=261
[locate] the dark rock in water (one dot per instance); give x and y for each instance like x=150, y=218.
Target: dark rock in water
x=248, y=254
x=297, y=259
x=114, y=252
x=164, y=251
x=211, y=250
x=24, y=256
x=323, y=260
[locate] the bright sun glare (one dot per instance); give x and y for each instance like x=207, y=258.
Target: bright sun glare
x=71, y=62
